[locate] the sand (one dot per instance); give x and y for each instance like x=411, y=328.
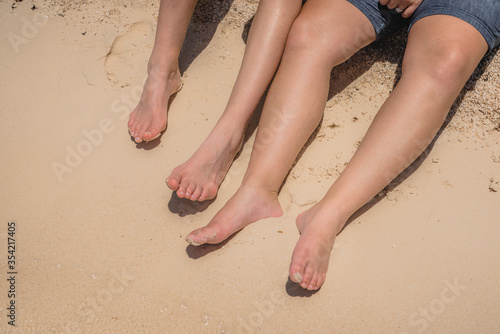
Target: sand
x=100, y=239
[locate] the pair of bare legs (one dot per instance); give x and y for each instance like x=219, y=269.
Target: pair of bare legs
x=441, y=54
x=200, y=177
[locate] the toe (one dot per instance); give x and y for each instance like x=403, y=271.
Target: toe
x=308, y=274
x=314, y=282
x=181, y=192
x=296, y=273
x=296, y=270
x=194, y=238
x=196, y=194
x=174, y=180
x=201, y=236
x=172, y=183
x=208, y=192
x=136, y=133
x=296, y=277
x=131, y=127
x=321, y=280
x=151, y=134
x=139, y=134
x=147, y=135
x=190, y=190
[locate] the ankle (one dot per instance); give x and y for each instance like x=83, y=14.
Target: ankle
x=236, y=117
x=229, y=132
x=251, y=186
x=335, y=211
x=163, y=70
x=159, y=80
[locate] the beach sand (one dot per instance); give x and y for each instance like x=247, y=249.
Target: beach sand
x=100, y=239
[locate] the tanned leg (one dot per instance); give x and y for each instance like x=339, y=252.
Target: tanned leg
x=149, y=118
x=326, y=33
x=442, y=53
x=199, y=178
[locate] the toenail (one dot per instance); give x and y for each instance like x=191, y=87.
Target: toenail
x=297, y=277
x=192, y=242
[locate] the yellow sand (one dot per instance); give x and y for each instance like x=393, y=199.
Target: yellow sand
x=100, y=239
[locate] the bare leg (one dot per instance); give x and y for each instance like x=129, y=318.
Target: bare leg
x=149, y=118
x=293, y=108
x=199, y=178
x=441, y=54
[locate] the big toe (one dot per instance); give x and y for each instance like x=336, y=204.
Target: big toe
x=149, y=135
x=173, y=183
x=201, y=236
x=301, y=268
x=296, y=272
x=296, y=276
x=306, y=272
x=152, y=134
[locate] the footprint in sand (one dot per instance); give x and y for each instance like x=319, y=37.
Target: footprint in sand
x=127, y=58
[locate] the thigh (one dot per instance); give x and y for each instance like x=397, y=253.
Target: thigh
x=484, y=15
x=333, y=26
x=443, y=48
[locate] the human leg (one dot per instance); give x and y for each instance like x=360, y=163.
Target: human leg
x=442, y=53
x=199, y=178
x=149, y=118
x=322, y=36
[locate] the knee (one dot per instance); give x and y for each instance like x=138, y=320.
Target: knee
x=303, y=37
x=316, y=39
x=450, y=66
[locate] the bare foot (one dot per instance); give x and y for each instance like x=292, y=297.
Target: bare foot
x=199, y=178
x=318, y=227
x=149, y=118
x=247, y=206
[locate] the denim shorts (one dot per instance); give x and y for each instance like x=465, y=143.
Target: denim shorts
x=484, y=15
